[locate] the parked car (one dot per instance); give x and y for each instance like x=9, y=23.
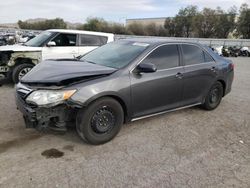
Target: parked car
x=3, y=41
x=234, y=51
x=122, y=81
x=17, y=60
x=217, y=49
x=244, y=51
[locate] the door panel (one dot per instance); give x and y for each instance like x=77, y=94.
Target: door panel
x=161, y=90
x=65, y=46
x=197, y=81
x=156, y=92
x=85, y=49
x=54, y=52
x=200, y=73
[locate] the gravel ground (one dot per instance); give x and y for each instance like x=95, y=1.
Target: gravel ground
x=187, y=148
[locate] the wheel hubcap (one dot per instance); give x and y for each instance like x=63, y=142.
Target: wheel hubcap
x=214, y=95
x=23, y=72
x=103, y=120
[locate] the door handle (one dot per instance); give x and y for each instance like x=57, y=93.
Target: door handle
x=179, y=75
x=213, y=69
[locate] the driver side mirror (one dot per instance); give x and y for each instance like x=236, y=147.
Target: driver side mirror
x=146, y=67
x=51, y=43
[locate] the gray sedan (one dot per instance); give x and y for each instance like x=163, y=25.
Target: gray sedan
x=119, y=82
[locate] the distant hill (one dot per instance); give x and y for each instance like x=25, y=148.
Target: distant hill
x=70, y=25
x=35, y=20
x=9, y=25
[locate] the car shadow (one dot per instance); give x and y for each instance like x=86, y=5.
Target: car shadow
x=72, y=135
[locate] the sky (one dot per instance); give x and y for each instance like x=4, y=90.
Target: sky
x=112, y=10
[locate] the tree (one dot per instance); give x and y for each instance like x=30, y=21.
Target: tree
x=170, y=27
x=184, y=20
x=152, y=30
x=118, y=29
x=95, y=24
x=243, y=25
x=57, y=23
x=182, y=24
x=163, y=32
x=204, y=23
x=136, y=29
x=225, y=22
x=99, y=24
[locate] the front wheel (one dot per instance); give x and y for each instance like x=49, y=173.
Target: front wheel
x=100, y=121
x=213, y=97
x=20, y=70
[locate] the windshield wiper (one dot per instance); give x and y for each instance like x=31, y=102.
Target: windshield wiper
x=88, y=61
x=79, y=57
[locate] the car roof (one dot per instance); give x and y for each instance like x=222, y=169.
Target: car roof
x=81, y=32
x=158, y=41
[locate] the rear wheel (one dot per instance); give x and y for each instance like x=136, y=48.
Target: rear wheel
x=213, y=97
x=100, y=121
x=20, y=70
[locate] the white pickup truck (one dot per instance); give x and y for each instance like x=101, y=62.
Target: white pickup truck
x=17, y=60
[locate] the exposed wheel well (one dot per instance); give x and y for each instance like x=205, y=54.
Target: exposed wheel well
x=19, y=61
x=122, y=103
x=224, y=86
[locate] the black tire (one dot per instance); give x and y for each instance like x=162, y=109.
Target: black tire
x=213, y=97
x=20, y=70
x=101, y=121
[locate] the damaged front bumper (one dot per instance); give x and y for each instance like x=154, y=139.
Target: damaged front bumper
x=42, y=118
x=10, y=59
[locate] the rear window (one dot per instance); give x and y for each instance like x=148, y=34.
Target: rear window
x=92, y=40
x=192, y=54
x=207, y=57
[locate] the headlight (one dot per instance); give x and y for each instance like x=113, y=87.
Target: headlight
x=49, y=97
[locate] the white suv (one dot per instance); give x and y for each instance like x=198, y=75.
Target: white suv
x=17, y=60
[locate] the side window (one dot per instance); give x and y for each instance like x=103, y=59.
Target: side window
x=92, y=40
x=192, y=54
x=164, y=57
x=65, y=39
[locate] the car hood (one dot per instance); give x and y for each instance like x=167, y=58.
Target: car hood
x=20, y=48
x=61, y=72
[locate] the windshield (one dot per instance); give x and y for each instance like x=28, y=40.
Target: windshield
x=39, y=39
x=116, y=54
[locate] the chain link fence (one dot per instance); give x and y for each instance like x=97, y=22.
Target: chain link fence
x=206, y=41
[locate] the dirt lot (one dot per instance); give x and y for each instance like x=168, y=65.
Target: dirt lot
x=187, y=148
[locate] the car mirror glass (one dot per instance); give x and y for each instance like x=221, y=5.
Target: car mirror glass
x=51, y=43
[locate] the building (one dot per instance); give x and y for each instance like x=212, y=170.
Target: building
x=145, y=21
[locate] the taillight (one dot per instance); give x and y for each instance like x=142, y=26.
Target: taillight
x=232, y=66
x=232, y=69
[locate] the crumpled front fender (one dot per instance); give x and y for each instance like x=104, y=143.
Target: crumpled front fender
x=35, y=57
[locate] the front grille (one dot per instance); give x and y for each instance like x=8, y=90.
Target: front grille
x=4, y=58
